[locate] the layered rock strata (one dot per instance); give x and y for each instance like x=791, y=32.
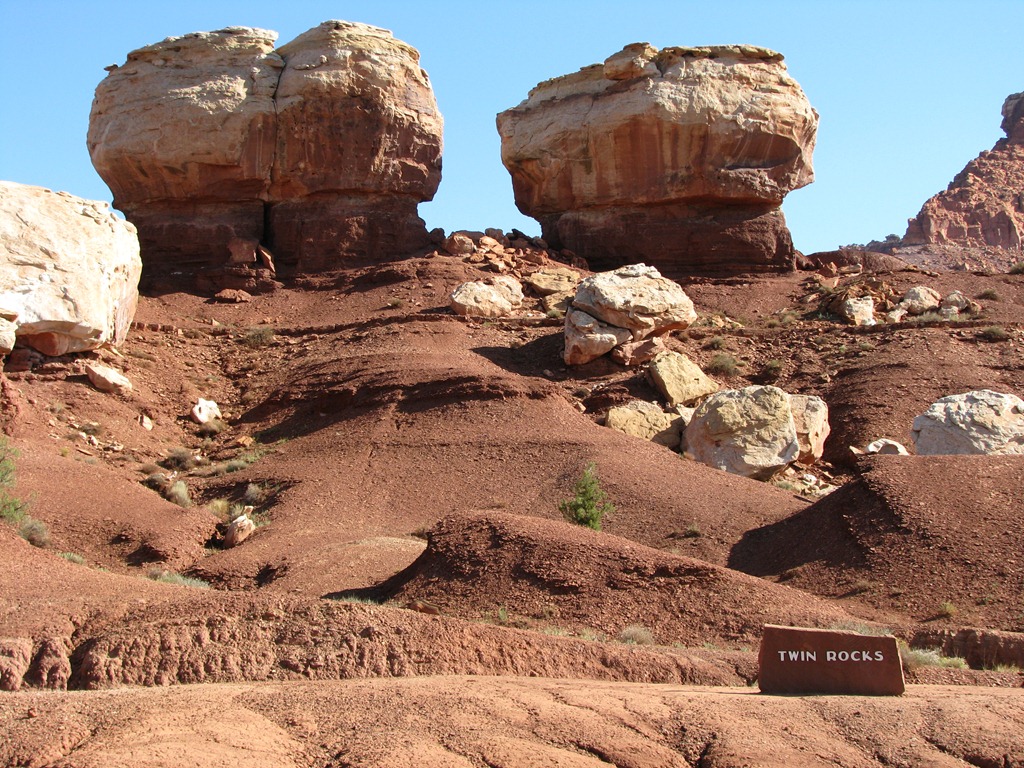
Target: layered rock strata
x=321, y=149
x=984, y=205
x=69, y=270
x=679, y=158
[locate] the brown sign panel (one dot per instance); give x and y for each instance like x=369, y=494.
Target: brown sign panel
x=797, y=660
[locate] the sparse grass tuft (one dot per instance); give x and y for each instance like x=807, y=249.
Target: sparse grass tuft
x=178, y=494
x=212, y=427
x=12, y=509
x=913, y=658
x=716, y=342
x=255, y=494
x=993, y=333
x=170, y=577
x=72, y=557
x=636, y=635
x=989, y=294
x=180, y=459
x=946, y=610
x=260, y=336
x=927, y=317
x=723, y=364
x=772, y=370
x=1017, y=269
x=589, y=504
x=34, y=532
x=396, y=304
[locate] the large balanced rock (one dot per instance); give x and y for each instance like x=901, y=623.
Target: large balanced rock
x=69, y=270
x=984, y=204
x=748, y=432
x=680, y=157
x=333, y=139
x=979, y=422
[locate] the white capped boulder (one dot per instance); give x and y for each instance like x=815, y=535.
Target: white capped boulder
x=239, y=529
x=205, y=411
x=920, y=299
x=747, y=432
x=886, y=447
x=810, y=416
x=493, y=297
x=858, y=311
x=647, y=421
x=69, y=268
x=979, y=422
x=680, y=380
x=638, y=298
x=553, y=280
x=587, y=338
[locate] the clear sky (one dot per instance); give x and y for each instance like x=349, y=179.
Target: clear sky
x=908, y=91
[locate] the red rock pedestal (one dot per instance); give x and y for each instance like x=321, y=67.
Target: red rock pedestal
x=801, y=661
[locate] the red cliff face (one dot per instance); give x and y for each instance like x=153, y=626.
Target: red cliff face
x=320, y=149
x=679, y=158
x=984, y=204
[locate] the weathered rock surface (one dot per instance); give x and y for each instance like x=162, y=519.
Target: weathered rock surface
x=495, y=297
x=976, y=422
x=984, y=204
x=810, y=417
x=107, y=379
x=680, y=380
x=69, y=269
x=920, y=299
x=321, y=149
x=587, y=338
x=646, y=421
x=680, y=157
x=886, y=447
x=747, y=432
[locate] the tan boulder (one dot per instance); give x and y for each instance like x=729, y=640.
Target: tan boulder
x=920, y=299
x=239, y=529
x=553, y=280
x=647, y=421
x=686, y=153
x=858, y=311
x=107, y=379
x=810, y=417
x=8, y=335
x=886, y=447
x=69, y=269
x=205, y=411
x=638, y=298
x=680, y=380
x=747, y=432
x=979, y=422
x=587, y=338
x=636, y=353
x=495, y=297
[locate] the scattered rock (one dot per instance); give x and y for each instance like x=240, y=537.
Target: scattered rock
x=859, y=311
x=747, y=432
x=553, y=280
x=69, y=269
x=810, y=417
x=495, y=297
x=635, y=353
x=686, y=153
x=458, y=244
x=107, y=379
x=205, y=411
x=680, y=380
x=238, y=530
x=647, y=421
x=886, y=447
x=920, y=299
x=978, y=422
x=587, y=338
x=233, y=296
x=638, y=298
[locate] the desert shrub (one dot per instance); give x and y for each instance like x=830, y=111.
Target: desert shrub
x=913, y=658
x=636, y=635
x=589, y=503
x=772, y=370
x=946, y=610
x=156, y=480
x=34, y=531
x=212, y=427
x=180, y=459
x=993, y=333
x=12, y=509
x=1017, y=269
x=178, y=494
x=255, y=494
x=396, y=304
x=221, y=508
x=989, y=294
x=723, y=364
x=170, y=577
x=927, y=317
x=258, y=337
x=72, y=557
x=716, y=342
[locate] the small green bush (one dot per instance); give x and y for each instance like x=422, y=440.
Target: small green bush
x=180, y=459
x=170, y=577
x=716, y=342
x=772, y=370
x=993, y=333
x=72, y=557
x=34, y=532
x=255, y=494
x=589, y=504
x=636, y=635
x=178, y=494
x=723, y=364
x=913, y=658
x=12, y=509
x=258, y=337
x=212, y=428
x=1017, y=269
x=946, y=610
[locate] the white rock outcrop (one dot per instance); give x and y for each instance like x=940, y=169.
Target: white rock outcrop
x=978, y=422
x=747, y=432
x=810, y=416
x=920, y=299
x=69, y=269
x=680, y=380
x=495, y=297
x=107, y=379
x=587, y=338
x=647, y=421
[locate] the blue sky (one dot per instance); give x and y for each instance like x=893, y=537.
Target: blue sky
x=908, y=91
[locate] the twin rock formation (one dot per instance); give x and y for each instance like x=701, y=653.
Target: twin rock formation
x=215, y=142
x=224, y=152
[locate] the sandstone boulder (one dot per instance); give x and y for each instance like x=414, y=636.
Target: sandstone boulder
x=8, y=335
x=636, y=353
x=205, y=411
x=748, y=432
x=69, y=269
x=638, y=298
x=858, y=311
x=984, y=204
x=495, y=297
x=553, y=280
x=680, y=380
x=886, y=447
x=647, y=421
x=587, y=338
x=680, y=156
x=810, y=417
x=979, y=422
x=920, y=299
x=321, y=149
x=108, y=379
x=239, y=529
